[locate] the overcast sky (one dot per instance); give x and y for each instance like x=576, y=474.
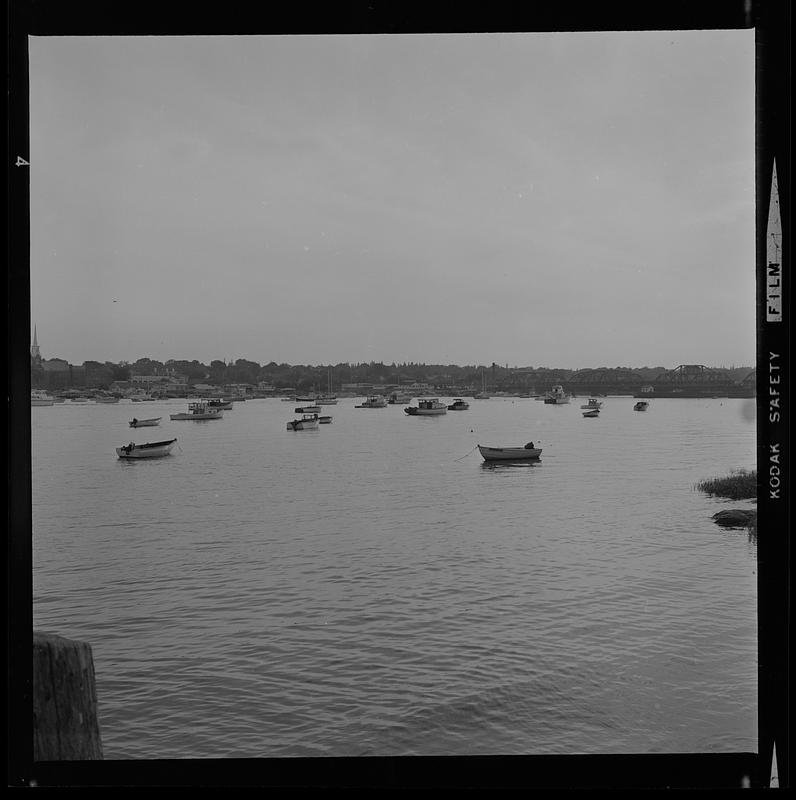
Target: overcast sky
x=572, y=200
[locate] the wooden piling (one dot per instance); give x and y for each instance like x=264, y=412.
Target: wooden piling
x=65, y=721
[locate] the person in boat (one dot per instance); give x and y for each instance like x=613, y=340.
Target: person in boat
x=135, y=421
x=529, y=446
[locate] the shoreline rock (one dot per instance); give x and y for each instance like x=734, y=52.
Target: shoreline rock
x=736, y=518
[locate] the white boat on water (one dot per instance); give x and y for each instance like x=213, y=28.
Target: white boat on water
x=198, y=411
x=458, y=405
x=399, y=398
x=556, y=396
x=527, y=451
x=148, y=450
x=144, y=423
x=592, y=404
x=307, y=423
x=40, y=398
x=218, y=404
x=427, y=408
x=642, y=405
x=374, y=401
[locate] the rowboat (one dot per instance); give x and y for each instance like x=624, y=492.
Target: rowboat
x=374, y=401
x=593, y=403
x=459, y=405
x=426, y=408
x=325, y=420
x=308, y=410
x=528, y=451
x=642, y=405
x=144, y=423
x=307, y=423
x=595, y=412
x=198, y=411
x=148, y=450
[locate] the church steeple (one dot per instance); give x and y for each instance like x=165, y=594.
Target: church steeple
x=35, y=353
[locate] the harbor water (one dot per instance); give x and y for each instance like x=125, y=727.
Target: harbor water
x=373, y=587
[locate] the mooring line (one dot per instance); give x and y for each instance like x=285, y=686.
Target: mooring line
x=465, y=455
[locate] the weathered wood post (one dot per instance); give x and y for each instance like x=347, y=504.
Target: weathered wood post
x=65, y=722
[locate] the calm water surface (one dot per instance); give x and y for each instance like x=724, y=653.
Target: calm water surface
x=373, y=588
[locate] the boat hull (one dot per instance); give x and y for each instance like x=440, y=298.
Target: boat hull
x=151, y=450
x=303, y=425
x=144, y=423
x=202, y=415
x=425, y=412
x=509, y=453
x=592, y=413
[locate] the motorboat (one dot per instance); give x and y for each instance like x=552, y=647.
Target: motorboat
x=308, y=410
x=527, y=451
x=427, y=407
x=144, y=423
x=218, y=404
x=148, y=450
x=593, y=403
x=594, y=412
x=556, y=396
x=308, y=422
x=41, y=398
x=373, y=401
x=325, y=420
x=458, y=405
x=642, y=405
x=399, y=398
x=197, y=411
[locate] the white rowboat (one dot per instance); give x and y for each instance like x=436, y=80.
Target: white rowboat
x=509, y=453
x=149, y=450
x=144, y=423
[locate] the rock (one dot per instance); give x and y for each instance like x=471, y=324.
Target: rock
x=736, y=518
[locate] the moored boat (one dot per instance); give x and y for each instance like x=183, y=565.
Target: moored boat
x=556, y=396
x=399, y=398
x=642, y=405
x=527, y=451
x=198, y=411
x=40, y=398
x=325, y=420
x=458, y=405
x=595, y=412
x=148, y=450
x=218, y=404
x=307, y=410
x=144, y=423
x=427, y=407
x=593, y=403
x=307, y=423
x=373, y=401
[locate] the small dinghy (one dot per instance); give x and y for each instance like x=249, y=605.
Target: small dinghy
x=144, y=423
x=527, y=451
x=148, y=450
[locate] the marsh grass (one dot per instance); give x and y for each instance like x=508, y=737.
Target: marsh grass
x=740, y=485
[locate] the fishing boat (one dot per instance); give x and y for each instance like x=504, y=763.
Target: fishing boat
x=307, y=410
x=40, y=398
x=593, y=403
x=594, y=412
x=218, y=403
x=556, y=396
x=307, y=423
x=399, y=398
x=144, y=423
x=148, y=450
x=426, y=408
x=458, y=405
x=373, y=401
x=642, y=405
x=527, y=451
x=197, y=411
x=325, y=420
